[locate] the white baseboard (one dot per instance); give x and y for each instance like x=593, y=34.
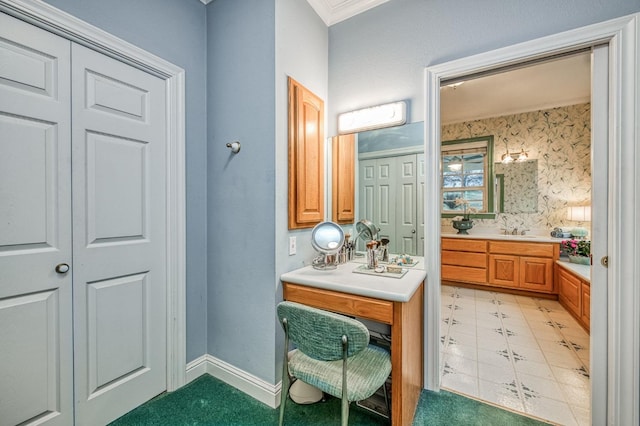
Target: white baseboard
x=251, y=385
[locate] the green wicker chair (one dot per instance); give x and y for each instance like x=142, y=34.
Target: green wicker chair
x=333, y=355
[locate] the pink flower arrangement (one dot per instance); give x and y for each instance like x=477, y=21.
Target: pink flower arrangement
x=576, y=247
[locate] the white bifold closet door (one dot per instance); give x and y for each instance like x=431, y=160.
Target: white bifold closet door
x=82, y=183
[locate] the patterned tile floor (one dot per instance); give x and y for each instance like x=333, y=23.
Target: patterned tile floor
x=526, y=354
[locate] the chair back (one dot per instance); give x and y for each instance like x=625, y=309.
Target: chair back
x=318, y=333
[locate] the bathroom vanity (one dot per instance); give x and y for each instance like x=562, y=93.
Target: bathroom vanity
x=516, y=264
x=574, y=291
x=397, y=302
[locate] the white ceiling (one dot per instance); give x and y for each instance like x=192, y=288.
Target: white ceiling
x=334, y=11
x=561, y=82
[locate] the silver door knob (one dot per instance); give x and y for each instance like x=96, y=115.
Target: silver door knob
x=62, y=268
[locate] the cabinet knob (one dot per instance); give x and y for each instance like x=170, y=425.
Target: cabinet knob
x=62, y=268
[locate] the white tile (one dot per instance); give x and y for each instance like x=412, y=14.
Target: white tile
x=583, y=416
x=461, y=383
x=460, y=364
x=495, y=374
x=528, y=353
x=553, y=346
x=526, y=301
x=468, y=352
x=550, y=409
x=525, y=341
x=469, y=292
x=538, y=369
x=505, y=396
x=495, y=357
x=491, y=340
x=463, y=336
x=577, y=396
x=540, y=387
x=570, y=377
x=565, y=359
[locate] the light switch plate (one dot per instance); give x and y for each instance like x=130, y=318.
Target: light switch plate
x=292, y=246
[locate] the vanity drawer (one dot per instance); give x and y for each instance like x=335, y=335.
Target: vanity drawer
x=464, y=244
x=526, y=249
x=343, y=303
x=464, y=274
x=475, y=260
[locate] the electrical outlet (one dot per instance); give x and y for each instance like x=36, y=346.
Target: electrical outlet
x=292, y=246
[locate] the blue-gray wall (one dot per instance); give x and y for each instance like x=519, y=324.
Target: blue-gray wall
x=175, y=31
x=241, y=188
x=380, y=55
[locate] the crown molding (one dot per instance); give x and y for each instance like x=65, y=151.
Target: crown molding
x=334, y=11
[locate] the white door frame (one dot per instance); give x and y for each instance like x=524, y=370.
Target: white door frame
x=622, y=358
x=61, y=23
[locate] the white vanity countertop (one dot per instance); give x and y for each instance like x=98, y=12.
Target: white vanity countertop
x=519, y=238
x=345, y=280
x=583, y=271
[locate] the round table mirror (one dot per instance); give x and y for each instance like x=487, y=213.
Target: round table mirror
x=327, y=238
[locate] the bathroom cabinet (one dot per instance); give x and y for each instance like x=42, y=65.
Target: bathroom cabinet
x=516, y=266
x=306, y=157
x=523, y=266
x=574, y=293
x=343, y=179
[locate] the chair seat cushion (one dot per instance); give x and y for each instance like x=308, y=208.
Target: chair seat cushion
x=366, y=372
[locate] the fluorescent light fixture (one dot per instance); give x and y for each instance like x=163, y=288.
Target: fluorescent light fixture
x=579, y=213
x=376, y=117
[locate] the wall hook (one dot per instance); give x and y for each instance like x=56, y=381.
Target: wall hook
x=235, y=146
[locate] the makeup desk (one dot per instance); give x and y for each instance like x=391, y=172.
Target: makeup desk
x=397, y=302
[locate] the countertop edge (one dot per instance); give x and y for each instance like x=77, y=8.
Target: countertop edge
x=416, y=276
x=583, y=271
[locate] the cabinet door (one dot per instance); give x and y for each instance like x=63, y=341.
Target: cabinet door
x=306, y=157
x=504, y=270
x=536, y=273
x=569, y=291
x=343, y=177
x=585, y=306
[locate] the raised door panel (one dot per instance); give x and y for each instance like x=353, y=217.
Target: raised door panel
x=119, y=241
x=406, y=219
x=536, y=274
x=569, y=291
x=420, y=204
x=36, y=370
x=384, y=211
x=585, y=305
x=306, y=157
x=343, y=176
x=504, y=270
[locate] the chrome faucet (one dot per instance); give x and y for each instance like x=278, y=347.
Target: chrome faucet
x=515, y=231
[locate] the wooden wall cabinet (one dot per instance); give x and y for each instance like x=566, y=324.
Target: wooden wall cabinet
x=306, y=157
x=343, y=178
x=574, y=294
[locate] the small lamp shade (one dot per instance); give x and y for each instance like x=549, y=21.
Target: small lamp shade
x=579, y=213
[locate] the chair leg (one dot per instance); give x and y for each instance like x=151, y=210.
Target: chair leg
x=386, y=400
x=345, y=412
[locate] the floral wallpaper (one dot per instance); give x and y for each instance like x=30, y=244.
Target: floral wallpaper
x=560, y=139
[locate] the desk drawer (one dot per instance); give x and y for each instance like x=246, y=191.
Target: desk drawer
x=343, y=303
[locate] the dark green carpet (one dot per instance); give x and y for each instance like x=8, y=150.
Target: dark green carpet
x=208, y=401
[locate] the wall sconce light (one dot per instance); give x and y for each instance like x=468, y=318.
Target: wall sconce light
x=523, y=156
x=376, y=117
x=507, y=158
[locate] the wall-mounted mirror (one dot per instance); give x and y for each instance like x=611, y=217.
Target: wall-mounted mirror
x=517, y=187
x=390, y=185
